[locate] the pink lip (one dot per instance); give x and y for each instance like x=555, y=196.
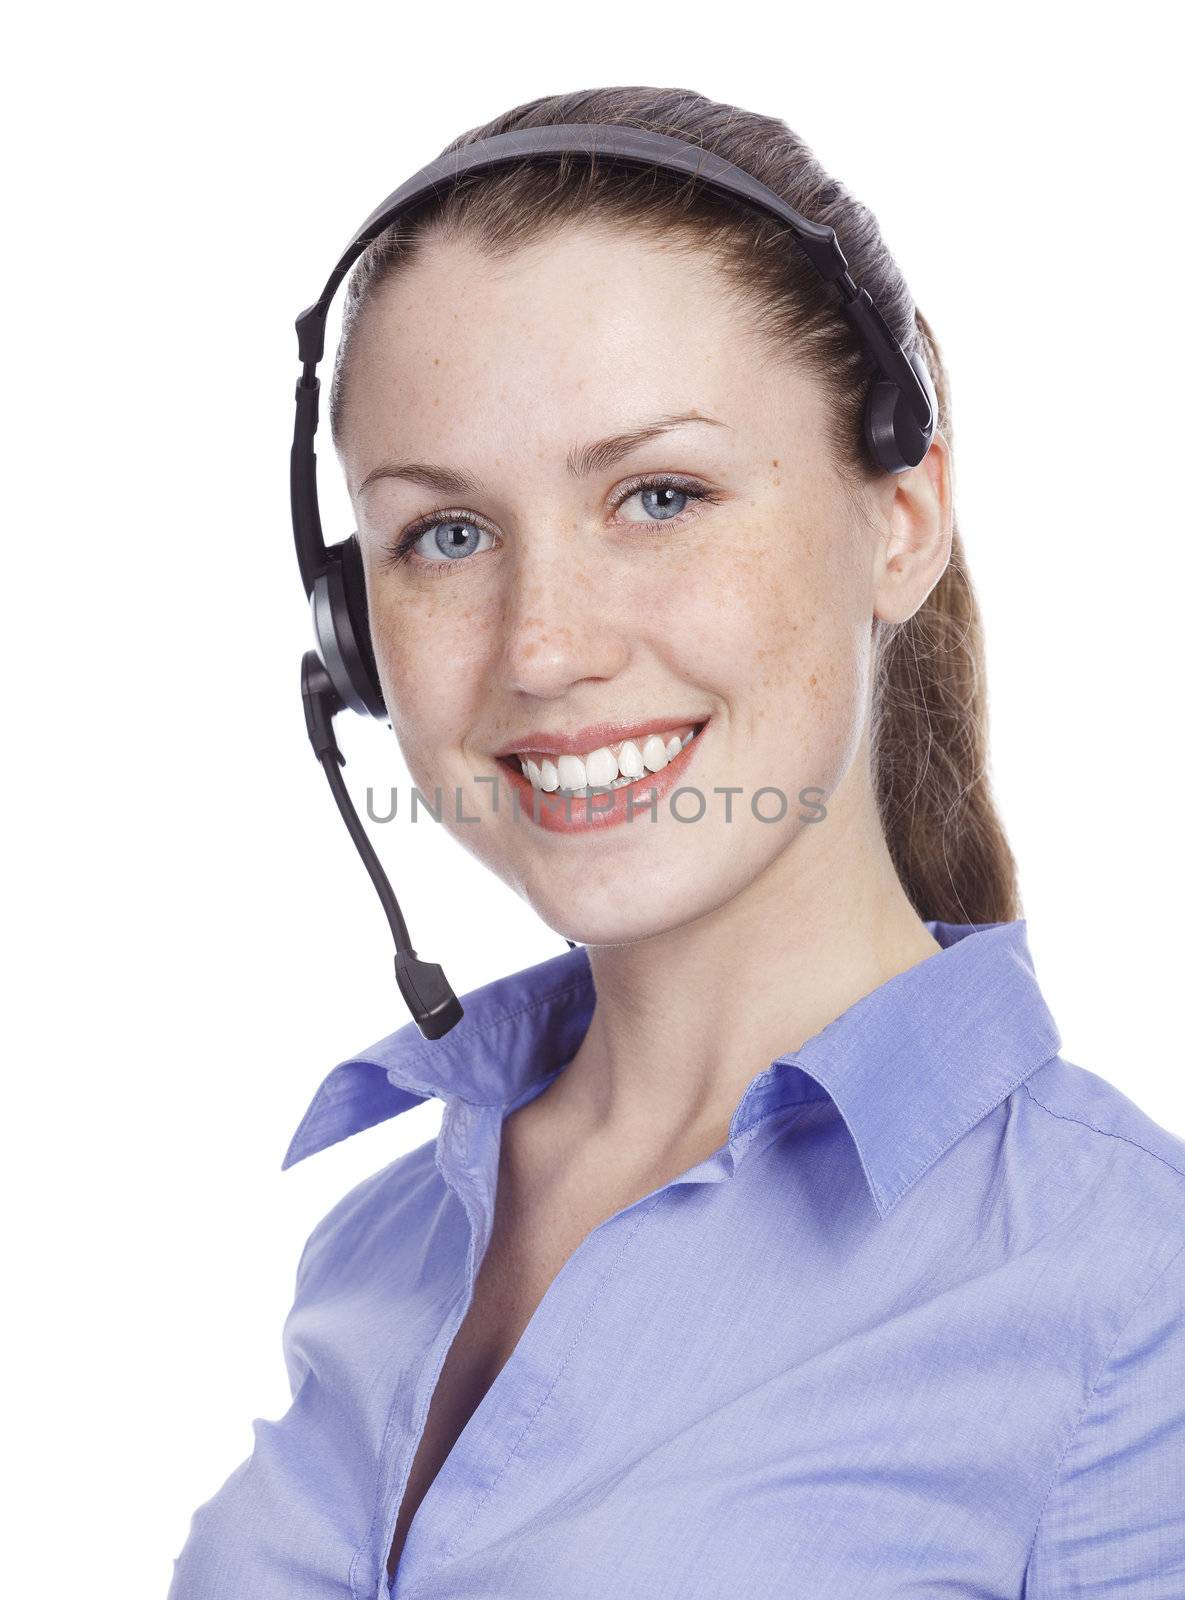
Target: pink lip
x=634, y=802
x=594, y=736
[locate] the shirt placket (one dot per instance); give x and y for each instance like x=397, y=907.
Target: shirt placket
x=450, y=1515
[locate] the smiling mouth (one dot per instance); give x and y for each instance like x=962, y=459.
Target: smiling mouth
x=605, y=770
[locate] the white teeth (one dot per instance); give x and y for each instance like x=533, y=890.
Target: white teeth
x=544, y=777
x=601, y=769
x=654, y=753
x=630, y=760
x=571, y=771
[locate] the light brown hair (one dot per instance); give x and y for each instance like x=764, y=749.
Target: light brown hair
x=929, y=711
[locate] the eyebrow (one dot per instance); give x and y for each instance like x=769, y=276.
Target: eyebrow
x=582, y=461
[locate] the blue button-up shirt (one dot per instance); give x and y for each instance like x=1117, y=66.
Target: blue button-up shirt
x=916, y=1330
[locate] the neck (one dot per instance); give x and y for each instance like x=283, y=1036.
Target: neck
x=686, y=1019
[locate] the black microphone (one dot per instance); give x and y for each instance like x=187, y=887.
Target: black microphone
x=422, y=984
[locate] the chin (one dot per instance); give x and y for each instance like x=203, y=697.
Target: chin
x=614, y=925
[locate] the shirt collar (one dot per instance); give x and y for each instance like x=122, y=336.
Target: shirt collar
x=911, y=1066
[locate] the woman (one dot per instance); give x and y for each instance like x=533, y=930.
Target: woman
x=768, y=1247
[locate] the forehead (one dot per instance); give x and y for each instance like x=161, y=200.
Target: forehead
x=577, y=332
x=575, y=286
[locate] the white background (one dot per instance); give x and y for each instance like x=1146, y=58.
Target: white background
x=193, y=941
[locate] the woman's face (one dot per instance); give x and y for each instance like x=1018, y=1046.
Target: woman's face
x=555, y=585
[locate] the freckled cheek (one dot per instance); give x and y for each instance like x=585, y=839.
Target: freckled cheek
x=429, y=657
x=780, y=640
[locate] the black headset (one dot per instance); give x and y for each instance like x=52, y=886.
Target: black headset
x=899, y=420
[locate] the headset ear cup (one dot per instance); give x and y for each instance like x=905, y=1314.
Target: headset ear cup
x=342, y=629
x=894, y=437
x=925, y=435
x=879, y=432
x=354, y=583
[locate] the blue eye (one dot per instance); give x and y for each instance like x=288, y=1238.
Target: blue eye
x=663, y=511
x=447, y=542
x=451, y=540
x=450, y=537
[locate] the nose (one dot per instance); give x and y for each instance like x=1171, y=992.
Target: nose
x=561, y=625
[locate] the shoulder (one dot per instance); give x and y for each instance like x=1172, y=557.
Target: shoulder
x=1104, y=1114
x=1122, y=1167
x=366, y=1210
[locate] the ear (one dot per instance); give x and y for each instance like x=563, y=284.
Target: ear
x=917, y=519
